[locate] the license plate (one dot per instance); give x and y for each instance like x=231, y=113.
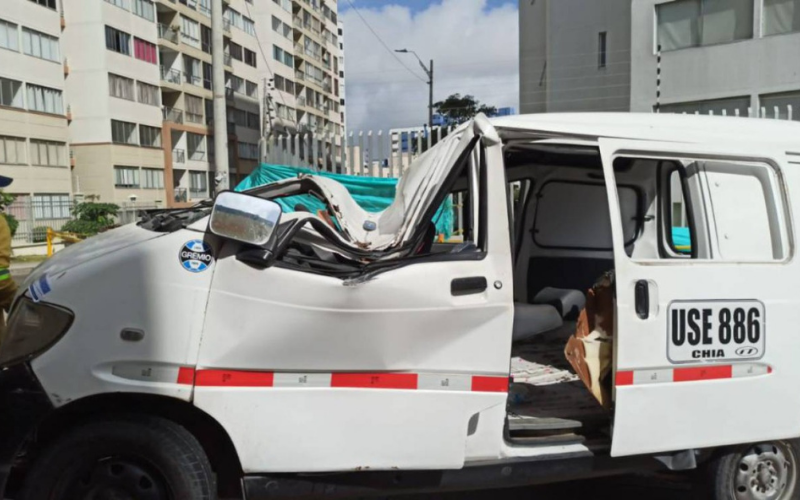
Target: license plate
x=715, y=330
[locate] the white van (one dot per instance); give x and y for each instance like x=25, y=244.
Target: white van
x=232, y=350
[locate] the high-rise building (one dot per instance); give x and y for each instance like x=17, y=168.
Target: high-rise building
x=737, y=57
x=140, y=90
x=33, y=111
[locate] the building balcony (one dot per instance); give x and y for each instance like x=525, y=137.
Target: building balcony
x=297, y=21
x=229, y=93
x=173, y=115
x=226, y=26
x=181, y=196
x=178, y=156
x=227, y=59
x=66, y=67
x=299, y=75
x=171, y=75
x=197, y=155
x=195, y=80
x=301, y=101
x=168, y=33
x=194, y=118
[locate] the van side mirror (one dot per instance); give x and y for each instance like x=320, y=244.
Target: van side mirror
x=245, y=218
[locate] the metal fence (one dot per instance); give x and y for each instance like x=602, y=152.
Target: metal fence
x=364, y=153
x=35, y=216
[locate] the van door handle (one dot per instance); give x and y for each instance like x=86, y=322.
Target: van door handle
x=468, y=286
x=642, y=293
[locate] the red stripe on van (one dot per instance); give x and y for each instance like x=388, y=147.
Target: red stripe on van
x=375, y=380
x=232, y=378
x=624, y=378
x=703, y=373
x=186, y=375
x=489, y=384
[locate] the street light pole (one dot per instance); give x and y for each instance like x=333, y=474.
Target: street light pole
x=429, y=74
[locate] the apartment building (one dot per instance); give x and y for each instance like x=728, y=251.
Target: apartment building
x=33, y=112
x=732, y=57
x=140, y=90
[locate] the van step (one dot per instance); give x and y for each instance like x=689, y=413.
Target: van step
x=568, y=438
x=542, y=424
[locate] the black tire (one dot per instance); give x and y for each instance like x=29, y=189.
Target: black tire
x=755, y=471
x=140, y=456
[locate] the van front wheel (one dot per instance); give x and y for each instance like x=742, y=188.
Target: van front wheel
x=765, y=471
x=139, y=457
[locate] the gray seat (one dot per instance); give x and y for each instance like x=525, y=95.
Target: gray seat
x=567, y=302
x=532, y=319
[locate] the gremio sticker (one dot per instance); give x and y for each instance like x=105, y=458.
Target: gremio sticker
x=196, y=256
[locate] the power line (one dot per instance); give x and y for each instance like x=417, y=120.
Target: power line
x=384, y=43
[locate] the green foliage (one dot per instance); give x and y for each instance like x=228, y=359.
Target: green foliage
x=13, y=223
x=458, y=109
x=91, y=218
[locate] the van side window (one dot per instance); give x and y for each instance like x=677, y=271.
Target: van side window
x=710, y=210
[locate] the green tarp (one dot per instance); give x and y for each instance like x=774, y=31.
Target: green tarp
x=373, y=194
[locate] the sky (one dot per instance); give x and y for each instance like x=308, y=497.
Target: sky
x=474, y=45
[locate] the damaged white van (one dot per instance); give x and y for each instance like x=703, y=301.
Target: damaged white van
x=231, y=350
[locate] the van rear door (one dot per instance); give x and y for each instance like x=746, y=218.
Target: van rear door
x=706, y=339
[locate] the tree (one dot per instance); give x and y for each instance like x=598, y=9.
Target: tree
x=91, y=218
x=458, y=109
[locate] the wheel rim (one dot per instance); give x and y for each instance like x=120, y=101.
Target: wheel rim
x=115, y=478
x=765, y=472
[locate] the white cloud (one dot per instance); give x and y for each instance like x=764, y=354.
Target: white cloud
x=474, y=47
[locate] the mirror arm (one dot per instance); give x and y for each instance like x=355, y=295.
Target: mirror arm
x=260, y=258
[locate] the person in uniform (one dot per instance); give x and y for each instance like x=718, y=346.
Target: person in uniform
x=7, y=286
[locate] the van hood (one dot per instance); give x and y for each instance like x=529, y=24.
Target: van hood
x=92, y=248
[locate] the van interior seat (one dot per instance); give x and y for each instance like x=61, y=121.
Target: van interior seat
x=531, y=320
x=567, y=302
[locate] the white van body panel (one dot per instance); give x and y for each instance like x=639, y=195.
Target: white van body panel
x=140, y=286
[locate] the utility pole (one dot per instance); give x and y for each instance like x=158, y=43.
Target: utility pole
x=429, y=74
x=221, y=172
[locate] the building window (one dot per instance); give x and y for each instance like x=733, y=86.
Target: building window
x=190, y=32
x=11, y=93
x=236, y=51
x=731, y=107
x=8, y=36
x=602, y=41
x=778, y=105
x=248, y=26
x=194, y=108
x=118, y=41
x=195, y=143
x=152, y=178
x=122, y=4
x=123, y=132
x=50, y=4
x=780, y=16
x=198, y=182
x=38, y=44
x=149, y=94
x=252, y=89
x=144, y=9
x=45, y=99
x=250, y=58
x=693, y=23
x=48, y=153
x=240, y=117
x=149, y=136
x=126, y=177
x=121, y=87
x=248, y=151
x=237, y=84
x=205, y=38
x=252, y=121
x=192, y=71
x=51, y=206
x=145, y=51
x=12, y=150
